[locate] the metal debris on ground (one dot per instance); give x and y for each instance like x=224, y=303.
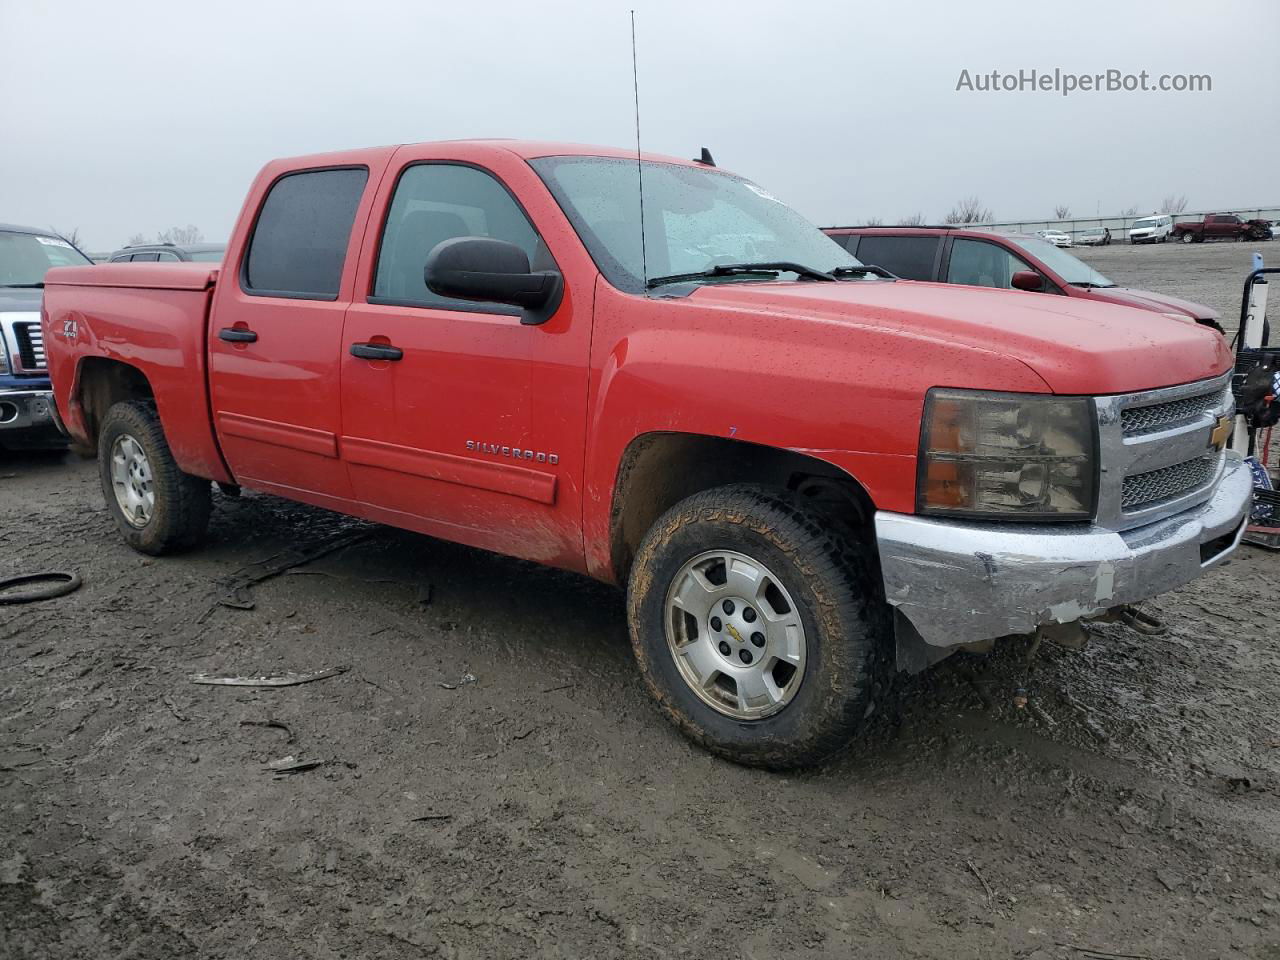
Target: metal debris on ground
x=289, y=765
x=235, y=588
x=427, y=817
x=60, y=583
x=462, y=681
x=278, y=680
x=274, y=724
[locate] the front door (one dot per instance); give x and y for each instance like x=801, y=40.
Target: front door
x=459, y=420
x=275, y=338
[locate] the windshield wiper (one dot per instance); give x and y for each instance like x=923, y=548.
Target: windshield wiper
x=774, y=267
x=1088, y=285
x=864, y=269
x=23, y=286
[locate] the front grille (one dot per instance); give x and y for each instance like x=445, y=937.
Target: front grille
x=30, y=346
x=1148, y=489
x=1136, y=421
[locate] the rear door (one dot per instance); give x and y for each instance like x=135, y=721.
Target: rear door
x=910, y=256
x=275, y=337
x=475, y=431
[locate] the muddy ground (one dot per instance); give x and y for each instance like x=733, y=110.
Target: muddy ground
x=545, y=809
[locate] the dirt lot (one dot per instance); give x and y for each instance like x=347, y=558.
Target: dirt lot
x=545, y=809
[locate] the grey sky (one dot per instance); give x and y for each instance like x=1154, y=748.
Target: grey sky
x=130, y=117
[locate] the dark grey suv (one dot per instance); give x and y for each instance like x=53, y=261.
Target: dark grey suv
x=171, y=252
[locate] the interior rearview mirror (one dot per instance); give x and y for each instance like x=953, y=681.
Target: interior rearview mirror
x=493, y=271
x=1027, y=280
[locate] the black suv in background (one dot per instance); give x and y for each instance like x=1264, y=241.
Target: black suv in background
x=170, y=252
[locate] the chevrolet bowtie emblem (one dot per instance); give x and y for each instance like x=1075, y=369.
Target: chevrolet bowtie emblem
x=1221, y=431
x=733, y=632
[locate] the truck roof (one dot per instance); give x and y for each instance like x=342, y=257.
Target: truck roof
x=528, y=149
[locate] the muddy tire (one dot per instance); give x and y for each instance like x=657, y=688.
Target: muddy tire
x=158, y=508
x=758, y=627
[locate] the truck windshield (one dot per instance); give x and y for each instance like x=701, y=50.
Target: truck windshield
x=26, y=257
x=695, y=219
x=1072, y=270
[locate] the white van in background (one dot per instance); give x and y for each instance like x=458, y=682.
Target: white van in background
x=1151, y=230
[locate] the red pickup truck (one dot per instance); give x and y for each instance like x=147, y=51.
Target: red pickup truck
x=1221, y=226
x=804, y=472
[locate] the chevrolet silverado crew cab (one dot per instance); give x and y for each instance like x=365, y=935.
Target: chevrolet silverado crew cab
x=27, y=412
x=803, y=471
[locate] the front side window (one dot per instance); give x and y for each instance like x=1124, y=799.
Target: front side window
x=695, y=218
x=434, y=202
x=908, y=257
x=300, y=241
x=982, y=264
x=26, y=257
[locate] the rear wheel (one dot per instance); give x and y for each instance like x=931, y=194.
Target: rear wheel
x=758, y=628
x=1188, y=238
x=157, y=508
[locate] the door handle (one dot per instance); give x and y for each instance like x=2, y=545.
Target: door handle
x=376, y=351
x=237, y=335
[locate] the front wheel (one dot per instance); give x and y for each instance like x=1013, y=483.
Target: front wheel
x=759, y=629
x=1188, y=238
x=157, y=508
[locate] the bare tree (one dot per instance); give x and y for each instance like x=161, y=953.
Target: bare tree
x=969, y=210
x=1173, y=203
x=1062, y=212
x=72, y=236
x=188, y=234
x=874, y=222
x=915, y=220
x=136, y=240
x=1129, y=212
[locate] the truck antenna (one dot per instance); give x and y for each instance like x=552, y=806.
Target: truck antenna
x=635, y=82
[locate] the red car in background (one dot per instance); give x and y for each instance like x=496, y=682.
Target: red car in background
x=982, y=258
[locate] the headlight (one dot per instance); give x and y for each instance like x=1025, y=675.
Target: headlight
x=1007, y=456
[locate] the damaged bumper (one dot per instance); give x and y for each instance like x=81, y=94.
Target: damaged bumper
x=961, y=582
x=29, y=418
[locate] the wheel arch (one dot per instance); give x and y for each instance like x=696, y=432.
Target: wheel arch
x=661, y=468
x=100, y=383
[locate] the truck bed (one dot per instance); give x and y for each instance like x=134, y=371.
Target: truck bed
x=152, y=317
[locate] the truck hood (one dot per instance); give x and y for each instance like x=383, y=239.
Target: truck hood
x=1160, y=302
x=20, y=299
x=1076, y=346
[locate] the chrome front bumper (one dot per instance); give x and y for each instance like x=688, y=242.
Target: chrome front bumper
x=28, y=411
x=960, y=581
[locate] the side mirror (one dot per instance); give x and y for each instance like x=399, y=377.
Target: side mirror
x=1027, y=280
x=493, y=271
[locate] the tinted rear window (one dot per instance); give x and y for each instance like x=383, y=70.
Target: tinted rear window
x=300, y=240
x=909, y=257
